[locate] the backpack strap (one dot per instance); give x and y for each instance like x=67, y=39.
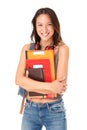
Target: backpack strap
x=32, y=46
x=56, y=62
x=23, y=100
x=22, y=91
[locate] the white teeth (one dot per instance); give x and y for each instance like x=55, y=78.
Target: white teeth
x=45, y=34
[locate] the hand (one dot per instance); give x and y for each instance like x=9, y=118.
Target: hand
x=58, y=87
x=62, y=79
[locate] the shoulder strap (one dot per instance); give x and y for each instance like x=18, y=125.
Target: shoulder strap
x=32, y=46
x=56, y=62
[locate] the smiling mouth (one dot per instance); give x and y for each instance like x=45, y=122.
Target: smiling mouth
x=45, y=34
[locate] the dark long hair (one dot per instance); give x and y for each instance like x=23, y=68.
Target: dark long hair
x=54, y=19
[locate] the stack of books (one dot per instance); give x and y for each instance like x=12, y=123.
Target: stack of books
x=40, y=65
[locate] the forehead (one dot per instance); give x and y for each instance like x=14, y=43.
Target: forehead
x=43, y=17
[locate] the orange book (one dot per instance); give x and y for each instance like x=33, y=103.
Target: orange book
x=44, y=58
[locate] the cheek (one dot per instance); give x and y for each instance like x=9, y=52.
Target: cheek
x=51, y=29
x=38, y=29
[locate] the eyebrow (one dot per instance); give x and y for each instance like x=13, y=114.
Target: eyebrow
x=41, y=22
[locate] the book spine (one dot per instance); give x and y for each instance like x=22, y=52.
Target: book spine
x=47, y=96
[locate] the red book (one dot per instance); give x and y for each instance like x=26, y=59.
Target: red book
x=45, y=63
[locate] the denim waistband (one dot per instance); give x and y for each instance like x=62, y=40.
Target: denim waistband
x=34, y=104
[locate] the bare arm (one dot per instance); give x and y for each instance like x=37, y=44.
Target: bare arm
x=62, y=69
x=22, y=80
x=29, y=84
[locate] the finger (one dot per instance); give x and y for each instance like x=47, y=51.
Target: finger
x=64, y=84
x=27, y=73
x=64, y=89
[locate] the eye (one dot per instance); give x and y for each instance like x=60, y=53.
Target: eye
x=50, y=24
x=39, y=24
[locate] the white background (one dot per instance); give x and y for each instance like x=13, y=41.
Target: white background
x=15, y=30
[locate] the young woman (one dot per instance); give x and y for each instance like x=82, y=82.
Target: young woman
x=38, y=112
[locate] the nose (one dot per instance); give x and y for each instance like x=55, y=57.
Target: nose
x=45, y=28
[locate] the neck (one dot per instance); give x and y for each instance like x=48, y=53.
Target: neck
x=44, y=44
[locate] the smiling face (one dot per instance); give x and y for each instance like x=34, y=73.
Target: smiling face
x=44, y=28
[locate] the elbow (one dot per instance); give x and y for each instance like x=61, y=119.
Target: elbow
x=17, y=81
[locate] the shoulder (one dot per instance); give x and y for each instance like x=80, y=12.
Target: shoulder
x=64, y=50
x=26, y=47
x=63, y=46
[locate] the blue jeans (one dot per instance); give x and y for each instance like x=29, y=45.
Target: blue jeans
x=51, y=115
